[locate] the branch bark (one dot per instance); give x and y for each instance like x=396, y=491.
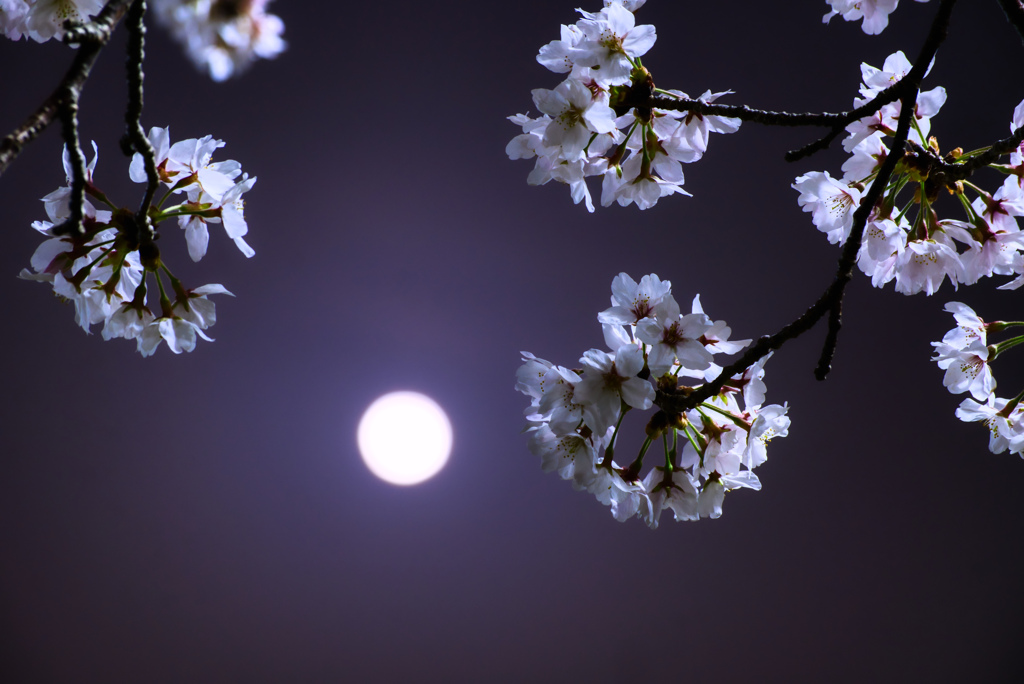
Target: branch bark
x=91, y=38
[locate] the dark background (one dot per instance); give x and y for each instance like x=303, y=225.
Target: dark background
x=206, y=517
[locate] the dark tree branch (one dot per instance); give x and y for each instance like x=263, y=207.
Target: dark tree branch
x=135, y=139
x=890, y=94
x=69, y=131
x=943, y=173
x=835, y=121
x=678, y=401
x=1014, y=10
x=745, y=113
x=91, y=38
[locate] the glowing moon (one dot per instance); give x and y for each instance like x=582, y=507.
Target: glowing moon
x=404, y=438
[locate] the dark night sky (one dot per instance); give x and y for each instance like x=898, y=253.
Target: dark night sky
x=206, y=517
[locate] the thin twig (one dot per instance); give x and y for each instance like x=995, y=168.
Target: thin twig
x=1014, y=10
x=835, y=121
x=745, y=113
x=942, y=172
x=91, y=37
x=135, y=139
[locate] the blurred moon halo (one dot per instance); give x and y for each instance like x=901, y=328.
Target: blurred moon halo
x=404, y=438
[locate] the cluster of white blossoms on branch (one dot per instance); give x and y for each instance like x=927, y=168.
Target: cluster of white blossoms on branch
x=966, y=355
x=104, y=268
x=905, y=239
x=222, y=37
x=589, y=125
x=655, y=350
x=875, y=13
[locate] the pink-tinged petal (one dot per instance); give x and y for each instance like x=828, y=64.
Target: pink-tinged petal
x=45, y=254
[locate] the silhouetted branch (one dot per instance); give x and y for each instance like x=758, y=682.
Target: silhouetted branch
x=1014, y=10
x=135, y=139
x=91, y=38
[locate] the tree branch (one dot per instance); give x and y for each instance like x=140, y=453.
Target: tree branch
x=1014, y=10
x=745, y=113
x=91, y=37
x=135, y=139
x=835, y=121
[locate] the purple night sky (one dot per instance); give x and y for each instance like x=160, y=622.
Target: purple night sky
x=207, y=518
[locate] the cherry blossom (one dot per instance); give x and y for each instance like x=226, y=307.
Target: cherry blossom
x=574, y=417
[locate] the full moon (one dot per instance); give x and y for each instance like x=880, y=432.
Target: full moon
x=404, y=438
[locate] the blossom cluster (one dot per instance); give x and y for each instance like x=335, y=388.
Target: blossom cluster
x=595, y=122
x=575, y=415
x=42, y=20
x=222, y=37
x=966, y=355
x=875, y=13
x=104, y=268
x=905, y=239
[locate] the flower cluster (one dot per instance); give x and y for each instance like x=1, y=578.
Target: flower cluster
x=598, y=122
x=875, y=13
x=904, y=239
x=42, y=20
x=966, y=356
x=574, y=415
x=103, y=269
x=222, y=37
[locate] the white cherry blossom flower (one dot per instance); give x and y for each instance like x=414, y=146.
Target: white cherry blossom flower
x=560, y=453
x=769, y=422
x=12, y=18
x=924, y=264
x=685, y=134
x=1005, y=431
x=673, y=337
x=223, y=37
x=608, y=381
x=45, y=18
x=575, y=116
x=676, y=492
x=632, y=301
x=831, y=203
x=612, y=39
x=967, y=368
x=558, y=54
x=875, y=13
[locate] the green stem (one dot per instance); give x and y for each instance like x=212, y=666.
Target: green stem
x=996, y=349
x=633, y=471
x=693, y=442
x=609, y=452
x=82, y=272
x=728, y=414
